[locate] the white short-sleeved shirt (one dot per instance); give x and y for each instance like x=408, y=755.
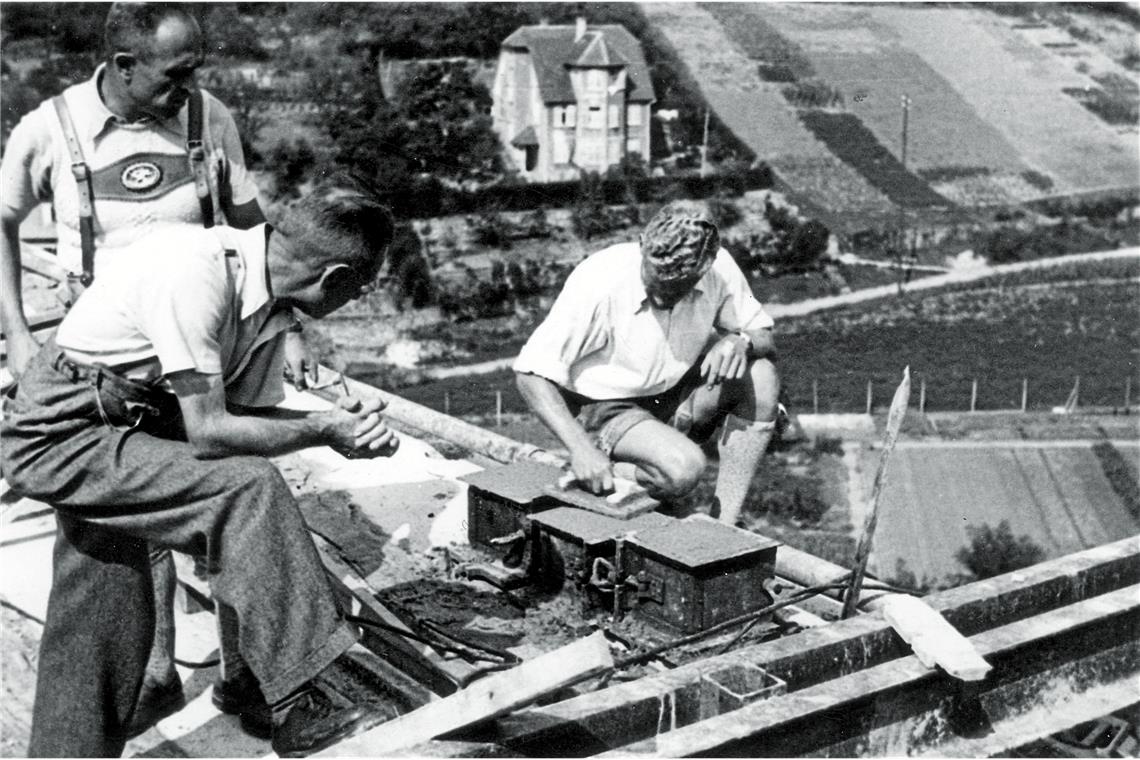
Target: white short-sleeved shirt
x=141, y=172
x=605, y=340
x=204, y=304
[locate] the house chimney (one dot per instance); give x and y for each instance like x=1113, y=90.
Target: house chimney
x=580, y=28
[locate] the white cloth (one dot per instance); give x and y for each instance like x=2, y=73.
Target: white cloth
x=36, y=168
x=204, y=304
x=604, y=340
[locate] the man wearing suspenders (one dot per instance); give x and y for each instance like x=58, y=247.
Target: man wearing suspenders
x=135, y=146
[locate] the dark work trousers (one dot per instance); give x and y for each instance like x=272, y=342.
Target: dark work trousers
x=91, y=444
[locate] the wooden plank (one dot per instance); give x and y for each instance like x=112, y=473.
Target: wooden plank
x=420, y=661
x=934, y=641
x=487, y=698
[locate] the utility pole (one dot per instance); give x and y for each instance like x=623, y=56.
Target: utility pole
x=705, y=147
x=900, y=243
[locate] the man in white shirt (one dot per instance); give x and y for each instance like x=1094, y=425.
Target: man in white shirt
x=147, y=421
x=131, y=126
x=622, y=368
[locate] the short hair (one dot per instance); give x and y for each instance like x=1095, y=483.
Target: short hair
x=131, y=26
x=342, y=221
x=680, y=239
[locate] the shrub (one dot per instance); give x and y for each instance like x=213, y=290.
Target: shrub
x=1037, y=179
x=828, y=445
x=724, y=212
x=993, y=551
x=1119, y=475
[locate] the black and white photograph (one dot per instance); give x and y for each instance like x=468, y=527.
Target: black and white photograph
x=560, y=379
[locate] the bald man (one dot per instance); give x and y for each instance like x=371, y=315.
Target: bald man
x=650, y=349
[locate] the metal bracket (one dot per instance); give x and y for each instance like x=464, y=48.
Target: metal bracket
x=650, y=587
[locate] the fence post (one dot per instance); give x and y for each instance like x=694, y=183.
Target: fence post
x=447, y=402
x=870, y=396
x=974, y=395
x=498, y=408
x=1127, y=392
x=1024, y=393
x=815, y=397
x=922, y=397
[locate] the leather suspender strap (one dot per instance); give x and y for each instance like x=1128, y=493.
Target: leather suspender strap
x=196, y=150
x=82, y=174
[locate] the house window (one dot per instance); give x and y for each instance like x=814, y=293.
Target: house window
x=633, y=145
x=565, y=116
x=560, y=147
x=595, y=118
x=633, y=116
x=615, y=116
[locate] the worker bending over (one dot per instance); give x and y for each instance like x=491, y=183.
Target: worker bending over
x=149, y=419
x=649, y=349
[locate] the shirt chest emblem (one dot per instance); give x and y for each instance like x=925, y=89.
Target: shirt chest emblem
x=141, y=176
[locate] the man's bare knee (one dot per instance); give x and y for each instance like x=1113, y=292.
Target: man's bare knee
x=765, y=388
x=677, y=471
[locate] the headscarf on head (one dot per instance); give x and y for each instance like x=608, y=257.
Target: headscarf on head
x=680, y=241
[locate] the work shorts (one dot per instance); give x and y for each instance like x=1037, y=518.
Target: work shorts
x=607, y=421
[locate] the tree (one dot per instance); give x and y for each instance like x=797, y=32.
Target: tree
x=993, y=551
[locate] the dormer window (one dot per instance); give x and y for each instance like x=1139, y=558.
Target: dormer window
x=565, y=116
x=596, y=79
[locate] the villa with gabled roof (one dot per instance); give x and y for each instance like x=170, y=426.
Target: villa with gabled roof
x=569, y=99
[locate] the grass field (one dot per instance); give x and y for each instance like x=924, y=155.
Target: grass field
x=756, y=111
x=1057, y=495
x=1000, y=335
x=1048, y=130
x=1046, y=334
x=849, y=50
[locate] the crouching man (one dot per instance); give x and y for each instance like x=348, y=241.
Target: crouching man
x=148, y=419
x=622, y=369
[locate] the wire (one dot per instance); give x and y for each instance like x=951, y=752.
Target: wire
x=497, y=656
x=751, y=617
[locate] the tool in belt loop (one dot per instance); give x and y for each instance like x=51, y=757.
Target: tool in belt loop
x=82, y=174
x=142, y=408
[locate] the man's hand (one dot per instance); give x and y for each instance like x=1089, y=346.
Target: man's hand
x=358, y=430
x=301, y=365
x=21, y=347
x=592, y=470
x=726, y=360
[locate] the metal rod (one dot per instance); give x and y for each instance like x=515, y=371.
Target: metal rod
x=870, y=396
x=1024, y=393
x=974, y=395
x=815, y=397
x=863, y=549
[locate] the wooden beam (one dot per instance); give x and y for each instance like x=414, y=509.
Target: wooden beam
x=602, y=720
x=900, y=700
x=489, y=697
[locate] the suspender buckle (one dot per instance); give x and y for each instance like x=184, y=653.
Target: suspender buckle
x=81, y=172
x=196, y=150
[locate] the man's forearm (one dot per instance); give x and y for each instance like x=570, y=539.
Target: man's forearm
x=761, y=343
x=542, y=396
x=265, y=432
x=12, y=317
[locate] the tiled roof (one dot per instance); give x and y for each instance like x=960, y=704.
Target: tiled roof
x=555, y=51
